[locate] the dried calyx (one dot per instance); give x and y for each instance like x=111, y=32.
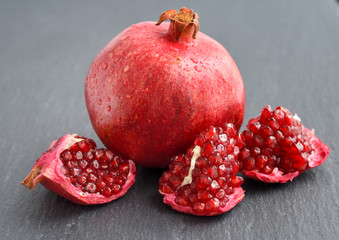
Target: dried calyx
x=184, y=23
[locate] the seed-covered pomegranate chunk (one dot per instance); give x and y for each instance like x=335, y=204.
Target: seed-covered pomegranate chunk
x=74, y=168
x=203, y=181
x=277, y=147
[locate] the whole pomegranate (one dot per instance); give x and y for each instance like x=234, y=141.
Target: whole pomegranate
x=154, y=87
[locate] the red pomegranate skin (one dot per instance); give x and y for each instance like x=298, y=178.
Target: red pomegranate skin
x=148, y=96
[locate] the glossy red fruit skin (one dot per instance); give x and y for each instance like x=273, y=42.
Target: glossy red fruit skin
x=47, y=171
x=320, y=154
x=148, y=95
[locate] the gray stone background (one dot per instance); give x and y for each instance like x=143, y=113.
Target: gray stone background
x=288, y=54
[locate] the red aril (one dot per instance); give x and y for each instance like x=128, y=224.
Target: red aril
x=74, y=168
x=277, y=147
x=203, y=181
x=155, y=86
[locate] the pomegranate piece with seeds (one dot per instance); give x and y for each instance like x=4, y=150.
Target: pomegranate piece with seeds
x=74, y=168
x=277, y=147
x=203, y=181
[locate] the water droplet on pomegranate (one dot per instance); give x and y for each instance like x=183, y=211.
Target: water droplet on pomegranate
x=126, y=68
x=129, y=96
x=197, y=68
x=156, y=55
x=194, y=60
x=104, y=66
x=100, y=101
x=187, y=69
x=109, y=108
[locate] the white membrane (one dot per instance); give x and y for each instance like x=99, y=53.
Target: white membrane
x=188, y=179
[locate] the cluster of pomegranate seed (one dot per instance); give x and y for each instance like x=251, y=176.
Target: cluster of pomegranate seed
x=275, y=139
x=205, y=176
x=94, y=170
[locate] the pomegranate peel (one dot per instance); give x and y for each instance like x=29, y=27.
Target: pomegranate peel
x=277, y=147
x=321, y=150
x=203, y=181
x=234, y=199
x=53, y=174
x=275, y=177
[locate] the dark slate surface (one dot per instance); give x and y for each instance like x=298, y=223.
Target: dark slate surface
x=288, y=54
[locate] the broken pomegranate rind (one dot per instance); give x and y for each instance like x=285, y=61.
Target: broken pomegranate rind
x=233, y=200
x=321, y=150
x=70, y=192
x=275, y=177
x=319, y=155
x=48, y=171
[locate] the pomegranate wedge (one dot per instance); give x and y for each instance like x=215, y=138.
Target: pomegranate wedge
x=203, y=181
x=74, y=168
x=277, y=147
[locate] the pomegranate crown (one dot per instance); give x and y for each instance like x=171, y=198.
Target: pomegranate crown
x=184, y=23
